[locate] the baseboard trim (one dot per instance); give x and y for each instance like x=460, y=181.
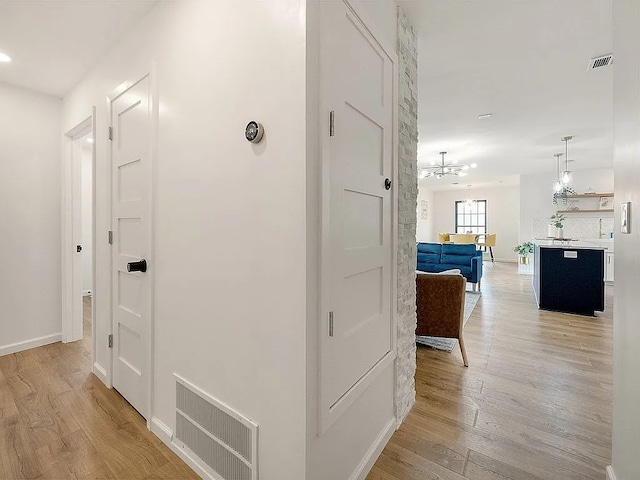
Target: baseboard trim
x=101, y=373
x=28, y=344
x=374, y=452
x=610, y=473
x=164, y=433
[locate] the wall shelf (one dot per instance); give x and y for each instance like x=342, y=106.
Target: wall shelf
x=604, y=210
x=590, y=195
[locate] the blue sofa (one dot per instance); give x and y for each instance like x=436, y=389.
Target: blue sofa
x=437, y=257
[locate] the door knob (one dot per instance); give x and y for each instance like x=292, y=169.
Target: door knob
x=140, y=266
x=78, y=248
x=387, y=184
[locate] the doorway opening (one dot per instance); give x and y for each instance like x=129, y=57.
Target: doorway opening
x=78, y=243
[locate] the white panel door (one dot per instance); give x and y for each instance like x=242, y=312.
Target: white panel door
x=357, y=85
x=131, y=201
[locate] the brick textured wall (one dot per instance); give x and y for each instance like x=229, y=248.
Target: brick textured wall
x=407, y=199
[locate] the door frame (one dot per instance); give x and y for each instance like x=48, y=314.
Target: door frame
x=153, y=148
x=72, y=327
x=326, y=416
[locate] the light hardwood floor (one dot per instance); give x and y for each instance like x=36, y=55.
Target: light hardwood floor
x=535, y=402
x=57, y=421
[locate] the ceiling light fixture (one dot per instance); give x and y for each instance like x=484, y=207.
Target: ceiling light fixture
x=469, y=201
x=4, y=58
x=443, y=168
x=484, y=115
x=557, y=185
x=566, y=175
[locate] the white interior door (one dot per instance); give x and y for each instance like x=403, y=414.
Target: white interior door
x=131, y=201
x=357, y=86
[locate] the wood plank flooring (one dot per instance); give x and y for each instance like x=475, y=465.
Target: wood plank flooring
x=58, y=421
x=535, y=402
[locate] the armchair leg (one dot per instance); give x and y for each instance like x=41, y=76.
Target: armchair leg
x=474, y=286
x=479, y=283
x=463, y=350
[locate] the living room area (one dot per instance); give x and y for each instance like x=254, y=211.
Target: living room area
x=515, y=150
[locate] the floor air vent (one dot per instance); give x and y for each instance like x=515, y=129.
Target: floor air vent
x=221, y=438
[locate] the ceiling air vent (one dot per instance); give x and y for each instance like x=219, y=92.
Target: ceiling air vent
x=601, y=61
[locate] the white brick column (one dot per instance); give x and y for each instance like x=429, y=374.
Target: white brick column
x=407, y=203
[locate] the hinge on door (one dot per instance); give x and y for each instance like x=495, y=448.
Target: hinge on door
x=332, y=123
x=110, y=340
x=110, y=133
x=331, y=324
x=110, y=237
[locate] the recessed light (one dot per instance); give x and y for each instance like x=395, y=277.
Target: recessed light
x=4, y=58
x=89, y=140
x=484, y=115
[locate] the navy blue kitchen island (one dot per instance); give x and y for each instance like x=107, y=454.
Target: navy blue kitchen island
x=569, y=278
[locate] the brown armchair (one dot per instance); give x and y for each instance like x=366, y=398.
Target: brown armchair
x=440, y=307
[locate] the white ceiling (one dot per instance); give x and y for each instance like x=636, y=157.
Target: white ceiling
x=525, y=61
x=54, y=43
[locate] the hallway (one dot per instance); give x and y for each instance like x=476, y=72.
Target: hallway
x=535, y=402
x=59, y=421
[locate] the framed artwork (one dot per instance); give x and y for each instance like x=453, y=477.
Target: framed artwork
x=606, y=203
x=424, y=209
x=625, y=217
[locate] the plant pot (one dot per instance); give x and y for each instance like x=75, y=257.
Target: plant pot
x=559, y=233
x=524, y=260
x=551, y=231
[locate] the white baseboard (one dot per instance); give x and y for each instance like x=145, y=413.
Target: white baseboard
x=164, y=433
x=101, y=373
x=610, y=473
x=374, y=452
x=27, y=344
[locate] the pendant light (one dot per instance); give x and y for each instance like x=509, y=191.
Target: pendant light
x=567, y=176
x=469, y=202
x=557, y=185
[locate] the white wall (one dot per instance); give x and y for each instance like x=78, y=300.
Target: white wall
x=425, y=228
x=536, y=206
x=502, y=215
x=30, y=269
x=229, y=265
x=626, y=328
x=87, y=217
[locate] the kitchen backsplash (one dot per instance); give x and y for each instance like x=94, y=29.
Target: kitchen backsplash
x=581, y=228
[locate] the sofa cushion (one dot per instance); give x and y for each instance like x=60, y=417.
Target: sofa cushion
x=429, y=253
x=458, y=254
x=465, y=270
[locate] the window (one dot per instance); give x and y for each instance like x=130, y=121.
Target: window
x=471, y=218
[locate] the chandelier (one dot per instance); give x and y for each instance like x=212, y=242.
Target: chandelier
x=443, y=168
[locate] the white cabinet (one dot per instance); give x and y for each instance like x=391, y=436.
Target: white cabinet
x=608, y=266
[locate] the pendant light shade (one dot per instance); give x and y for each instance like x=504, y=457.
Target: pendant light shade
x=557, y=185
x=567, y=176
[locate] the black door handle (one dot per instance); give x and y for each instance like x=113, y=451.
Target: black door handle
x=78, y=248
x=140, y=266
x=387, y=184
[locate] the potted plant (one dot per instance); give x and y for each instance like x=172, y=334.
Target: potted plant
x=557, y=221
x=524, y=250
